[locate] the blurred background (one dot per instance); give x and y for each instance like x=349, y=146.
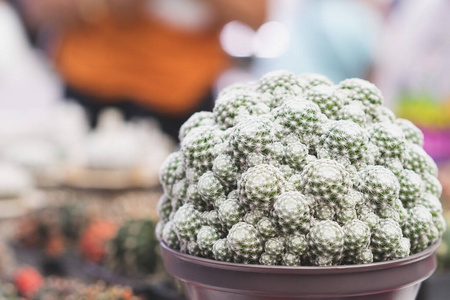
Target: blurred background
x=93, y=92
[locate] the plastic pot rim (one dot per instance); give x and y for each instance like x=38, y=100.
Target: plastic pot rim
x=313, y=270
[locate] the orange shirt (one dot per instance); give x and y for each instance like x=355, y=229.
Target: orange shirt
x=160, y=67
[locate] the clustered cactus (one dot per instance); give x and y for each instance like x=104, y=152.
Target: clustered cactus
x=295, y=170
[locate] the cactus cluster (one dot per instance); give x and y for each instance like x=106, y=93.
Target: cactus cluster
x=295, y=170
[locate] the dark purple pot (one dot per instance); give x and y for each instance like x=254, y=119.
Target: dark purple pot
x=209, y=279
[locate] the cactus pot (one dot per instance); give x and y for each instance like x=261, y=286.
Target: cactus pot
x=209, y=279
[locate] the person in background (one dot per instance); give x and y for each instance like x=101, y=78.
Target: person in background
x=156, y=58
x=26, y=82
x=336, y=38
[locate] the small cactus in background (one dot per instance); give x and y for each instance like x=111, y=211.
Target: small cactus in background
x=133, y=249
x=295, y=170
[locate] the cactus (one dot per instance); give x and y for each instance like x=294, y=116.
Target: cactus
x=230, y=104
x=326, y=242
x=379, y=185
x=365, y=92
x=411, y=132
x=291, y=212
x=244, y=241
x=198, y=148
x=411, y=188
x=206, y=237
x=418, y=227
x=187, y=221
x=345, y=139
x=310, y=80
x=278, y=84
x=354, y=112
x=326, y=180
x=302, y=118
x=209, y=187
x=356, y=237
x=328, y=98
x=198, y=119
x=171, y=171
x=295, y=170
x=230, y=213
x=133, y=249
x=389, y=139
x=221, y=251
x=259, y=186
x=386, y=239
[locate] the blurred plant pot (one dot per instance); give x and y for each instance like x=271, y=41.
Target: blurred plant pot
x=209, y=279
